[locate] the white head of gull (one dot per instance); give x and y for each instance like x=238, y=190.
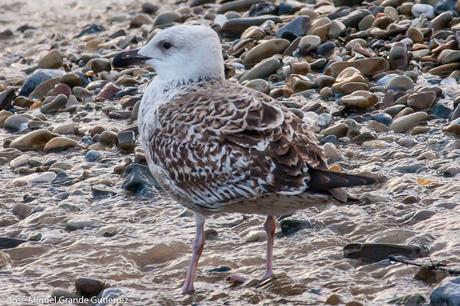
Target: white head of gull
x=218, y=147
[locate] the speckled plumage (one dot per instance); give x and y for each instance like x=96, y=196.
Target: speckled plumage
x=214, y=144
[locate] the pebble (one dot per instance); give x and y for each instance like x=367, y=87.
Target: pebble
x=421, y=100
x=126, y=141
x=446, y=294
x=37, y=78
x=398, y=56
x=149, y=8
x=141, y=19
x=359, y=100
x=99, y=65
x=368, y=67
x=89, y=287
x=108, y=91
x=375, y=252
x=449, y=56
x=55, y=105
x=336, y=28
x=237, y=26
x=255, y=236
x=42, y=177
x=262, y=70
x=52, y=60
x=308, y=43
x=92, y=155
x=400, y=82
x=297, y=27
x=31, y=141
x=422, y=9
x=59, y=144
x=9, y=243
x=16, y=123
x=291, y=226
x=77, y=224
x=405, y=123
x=265, y=50
x=6, y=99
x=139, y=180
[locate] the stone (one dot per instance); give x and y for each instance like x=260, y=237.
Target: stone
x=19, y=161
x=375, y=252
x=235, y=27
x=139, y=20
x=59, y=144
x=107, y=92
x=236, y=5
x=405, y=123
x=455, y=114
x=449, y=56
x=326, y=49
x=99, y=65
x=291, y=226
x=3, y=116
x=60, y=89
x=56, y=105
x=400, y=82
x=359, y=100
x=421, y=100
x=259, y=85
x=308, y=43
x=453, y=127
x=398, y=56
x=368, y=67
x=92, y=156
x=352, y=20
x=139, y=181
x=262, y=69
x=441, y=21
x=89, y=287
x=446, y=294
x=16, y=123
x=446, y=69
x=149, y=8
x=126, y=141
x=22, y=210
x=366, y=23
x=336, y=28
x=34, y=140
x=38, y=77
x=77, y=224
x=265, y=50
x=9, y=243
x=422, y=9
x=6, y=99
x=339, y=130
x=415, y=34
x=42, y=177
x=255, y=236
x=107, y=138
x=295, y=28
x=52, y=60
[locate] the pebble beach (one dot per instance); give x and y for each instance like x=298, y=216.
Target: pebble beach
x=81, y=217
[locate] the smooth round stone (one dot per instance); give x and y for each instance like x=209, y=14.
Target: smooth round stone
x=259, y=85
x=359, y=100
x=441, y=21
x=89, y=287
x=42, y=177
x=99, y=65
x=445, y=69
x=366, y=23
x=356, y=41
x=149, y=8
x=405, y=123
x=55, y=105
x=265, y=50
x=339, y=130
x=262, y=69
x=309, y=43
x=449, y=56
x=60, y=89
x=326, y=49
x=16, y=123
x=167, y=18
x=34, y=140
x=255, y=236
x=3, y=116
x=421, y=100
x=336, y=28
x=38, y=77
x=415, y=34
x=92, y=156
x=255, y=33
x=368, y=67
x=140, y=20
x=407, y=142
x=19, y=161
x=107, y=138
x=23, y=102
x=291, y=226
x=52, y=60
x=453, y=127
x=42, y=90
x=352, y=19
x=59, y=143
x=398, y=57
x=295, y=28
x=400, y=82
x=126, y=141
x=422, y=9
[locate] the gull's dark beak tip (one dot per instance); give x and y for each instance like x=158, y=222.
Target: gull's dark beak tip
x=128, y=58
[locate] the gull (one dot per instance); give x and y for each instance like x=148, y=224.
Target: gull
x=218, y=147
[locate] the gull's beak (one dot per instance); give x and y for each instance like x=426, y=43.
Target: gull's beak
x=127, y=58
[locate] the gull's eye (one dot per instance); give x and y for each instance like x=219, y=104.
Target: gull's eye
x=166, y=45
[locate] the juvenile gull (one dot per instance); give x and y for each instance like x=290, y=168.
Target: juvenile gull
x=219, y=147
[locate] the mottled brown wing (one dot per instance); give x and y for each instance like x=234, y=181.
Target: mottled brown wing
x=217, y=146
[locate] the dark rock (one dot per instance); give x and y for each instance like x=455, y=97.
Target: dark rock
x=92, y=156
x=90, y=29
x=89, y=287
x=375, y=252
x=326, y=49
x=286, y=8
x=338, y=3
x=354, y=17
x=126, y=141
x=38, y=77
x=9, y=243
x=149, y=8
x=6, y=99
x=139, y=180
x=221, y=269
x=447, y=294
x=445, y=6
x=237, y=6
x=16, y=123
x=55, y=105
x=441, y=111
x=99, y=65
x=291, y=226
x=429, y=275
x=5, y=34
x=295, y=28
x=237, y=26
x=262, y=8
x=409, y=300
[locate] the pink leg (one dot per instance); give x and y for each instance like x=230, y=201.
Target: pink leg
x=197, y=249
x=270, y=227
